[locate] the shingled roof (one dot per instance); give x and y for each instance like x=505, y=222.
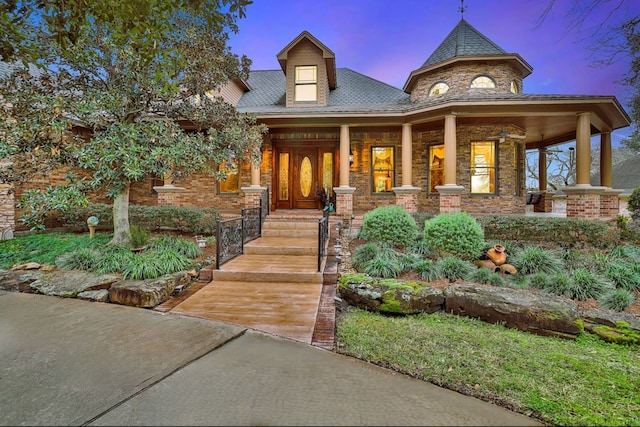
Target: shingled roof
x=624, y=175
x=463, y=40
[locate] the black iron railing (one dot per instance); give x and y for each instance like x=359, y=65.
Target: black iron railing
x=323, y=236
x=233, y=233
x=229, y=240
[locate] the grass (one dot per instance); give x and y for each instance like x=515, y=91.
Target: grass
x=560, y=382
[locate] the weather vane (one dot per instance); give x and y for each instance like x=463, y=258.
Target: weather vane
x=462, y=8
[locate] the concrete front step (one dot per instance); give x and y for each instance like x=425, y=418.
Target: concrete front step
x=288, y=232
x=270, y=268
x=282, y=246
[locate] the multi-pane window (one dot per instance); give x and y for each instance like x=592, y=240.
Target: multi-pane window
x=436, y=167
x=230, y=185
x=383, y=169
x=483, y=82
x=483, y=167
x=306, y=83
x=438, y=89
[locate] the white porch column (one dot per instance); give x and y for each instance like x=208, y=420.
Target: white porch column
x=407, y=158
x=255, y=175
x=605, y=159
x=583, y=149
x=450, y=154
x=345, y=148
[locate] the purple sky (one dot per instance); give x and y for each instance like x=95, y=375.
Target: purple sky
x=388, y=39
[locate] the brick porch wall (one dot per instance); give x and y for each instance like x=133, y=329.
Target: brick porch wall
x=585, y=205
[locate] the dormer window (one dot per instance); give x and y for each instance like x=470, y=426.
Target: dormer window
x=306, y=83
x=438, y=89
x=483, y=82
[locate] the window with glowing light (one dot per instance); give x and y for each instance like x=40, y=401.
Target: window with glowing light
x=438, y=89
x=306, y=83
x=383, y=169
x=483, y=82
x=483, y=167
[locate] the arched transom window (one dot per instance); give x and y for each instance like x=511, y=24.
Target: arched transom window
x=483, y=82
x=438, y=89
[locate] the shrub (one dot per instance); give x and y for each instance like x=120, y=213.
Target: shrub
x=617, y=299
x=363, y=254
x=145, y=265
x=419, y=246
x=80, y=259
x=408, y=261
x=623, y=276
x=534, y=259
x=115, y=259
x=179, y=245
x=487, y=277
x=633, y=204
x=139, y=236
x=539, y=280
x=389, y=224
x=381, y=266
x=558, y=284
x=586, y=284
x=455, y=234
x=427, y=270
x=454, y=268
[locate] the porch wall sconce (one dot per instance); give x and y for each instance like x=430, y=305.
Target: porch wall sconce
x=350, y=156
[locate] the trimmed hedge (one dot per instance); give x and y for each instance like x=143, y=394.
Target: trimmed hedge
x=568, y=232
x=178, y=218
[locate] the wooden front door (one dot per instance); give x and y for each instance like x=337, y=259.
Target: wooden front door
x=300, y=171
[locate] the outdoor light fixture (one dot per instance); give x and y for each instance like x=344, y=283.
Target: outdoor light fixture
x=350, y=156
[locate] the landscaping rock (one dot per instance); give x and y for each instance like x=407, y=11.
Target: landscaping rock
x=70, y=283
x=400, y=298
x=538, y=313
x=147, y=293
x=101, y=295
x=621, y=328
x=18, y=280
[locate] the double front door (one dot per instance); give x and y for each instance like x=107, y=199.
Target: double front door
x=303, y=172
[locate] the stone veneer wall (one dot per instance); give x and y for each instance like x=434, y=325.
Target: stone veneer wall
x=7, y=212
x=459, y=76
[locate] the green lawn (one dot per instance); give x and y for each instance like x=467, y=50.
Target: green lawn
x=560, y=382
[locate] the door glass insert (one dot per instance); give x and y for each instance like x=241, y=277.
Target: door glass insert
x=283, y=177
x=327, y=173
x=306, y=176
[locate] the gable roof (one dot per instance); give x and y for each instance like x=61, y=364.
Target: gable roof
x=328, y=56
x=463, y=40
x=355, y=92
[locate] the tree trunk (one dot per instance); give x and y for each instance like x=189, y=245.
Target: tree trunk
x=121, y=232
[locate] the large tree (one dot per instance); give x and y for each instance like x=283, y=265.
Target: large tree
x=134, y=86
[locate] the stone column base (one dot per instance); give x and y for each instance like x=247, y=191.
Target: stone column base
x=253, y=196
x=450, y=198
x=583, y=201
x=407, y=197
x=344, y=201
x=168, y=195
x=7, y=212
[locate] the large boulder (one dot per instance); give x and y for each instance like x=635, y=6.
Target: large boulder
x=538, y=313
x=390, y=296
x=620, y=328
x=69, y=283
x=147, y=293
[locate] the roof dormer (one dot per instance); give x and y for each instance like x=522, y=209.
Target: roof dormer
x=310, y=70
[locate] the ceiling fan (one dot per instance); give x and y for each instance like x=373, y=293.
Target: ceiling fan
x=501, y=136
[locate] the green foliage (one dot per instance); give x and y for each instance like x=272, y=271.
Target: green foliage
x=586, y=284
x=567, y=232
x=617, y=299
x=487, y=277
x=539, y=280
x=558, y=284
x=175, y=244
x=37, y=204
x=454, y=268
x=633, y=204
x=44, y=248
x=428, y=270
x=157, y=218
x=80, y=259
x=534, y=259
x=408, y=261
x=139, y=236
x=390, y=224
x=173, y=261
x=363, y=254
x=143, y=266
x=623, y=276
x=115, y=259
x=457, y=234
x=381, y=266
x=420, y=247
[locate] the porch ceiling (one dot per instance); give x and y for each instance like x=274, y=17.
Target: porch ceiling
x=545, y=121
